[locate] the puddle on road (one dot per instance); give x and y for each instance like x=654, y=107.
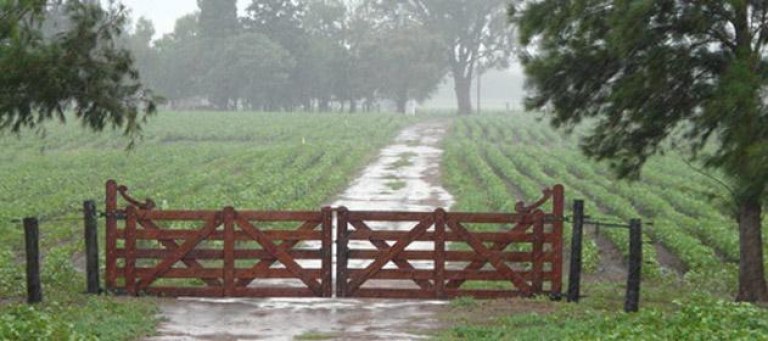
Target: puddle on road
x=405, y=177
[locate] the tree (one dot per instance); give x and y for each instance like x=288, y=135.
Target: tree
x=218, y=19
x=218, y=23
x=140, y=45
x=80, y=68
x=408, y=63
x=647, y=72
x=475, y=33
x=179, y=63
x=251, y=67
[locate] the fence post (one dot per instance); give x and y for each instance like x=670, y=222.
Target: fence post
x=31, y=239
x=635, y=262
x=574, y=275
x=91, y=247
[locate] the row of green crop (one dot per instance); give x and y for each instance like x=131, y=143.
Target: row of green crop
x=525, y=154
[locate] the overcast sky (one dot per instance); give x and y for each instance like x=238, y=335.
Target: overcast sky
x=164, y=13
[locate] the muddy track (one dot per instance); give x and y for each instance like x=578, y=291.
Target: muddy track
x=405, y=176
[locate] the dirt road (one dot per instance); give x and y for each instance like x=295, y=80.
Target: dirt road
x=405, y=176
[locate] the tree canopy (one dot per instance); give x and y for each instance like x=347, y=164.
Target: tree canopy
x=77, y=64
x=653, y=76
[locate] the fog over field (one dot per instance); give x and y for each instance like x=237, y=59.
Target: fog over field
x=349, y=38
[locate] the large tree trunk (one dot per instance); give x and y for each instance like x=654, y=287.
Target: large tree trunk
x=752, y=286
x=463, y=89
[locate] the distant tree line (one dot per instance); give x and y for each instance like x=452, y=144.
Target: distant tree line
x=322, y=55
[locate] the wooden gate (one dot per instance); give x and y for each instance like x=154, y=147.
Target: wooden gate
x=288, y=254
x=216, y=253
x=523, y=259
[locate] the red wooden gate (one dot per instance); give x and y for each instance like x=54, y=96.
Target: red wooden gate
x=235, y=253
x=526, y=258
x=216, y=253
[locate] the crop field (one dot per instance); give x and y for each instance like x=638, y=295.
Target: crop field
x=184, y=161
x=690, y=249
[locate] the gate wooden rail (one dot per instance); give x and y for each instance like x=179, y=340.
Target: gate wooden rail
x=225, y=250
x=230, y=253
x=525, y=259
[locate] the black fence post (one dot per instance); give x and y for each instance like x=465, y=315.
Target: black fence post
x=91, y=247
x=574, y=275
x=632, y=301
x=31, y=239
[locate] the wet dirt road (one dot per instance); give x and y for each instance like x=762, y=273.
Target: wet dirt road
x=404, y=177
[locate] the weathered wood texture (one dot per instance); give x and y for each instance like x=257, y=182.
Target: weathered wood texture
x=215, y=253
x=223, y=253
x=525, y=258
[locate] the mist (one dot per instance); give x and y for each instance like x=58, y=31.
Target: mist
x=325, y=55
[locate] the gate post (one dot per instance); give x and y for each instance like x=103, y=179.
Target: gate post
x=342, y=219
x=327, y=247
x=228, y=216
x=130, y=251
x=558, y=209
x=439, y=218
x=111, y=234
x=91, y=247
x=635, y=262
x=574, y=276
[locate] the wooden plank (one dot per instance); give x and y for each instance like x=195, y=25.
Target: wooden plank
x=297, y=216
x=342, y=225
x=165, y=234
x=514, y=236
x=281, y=255
x=275, y=273
x=284, y=246
x=426, y=274
x=452, y=256
x=111, y=235
x=130, y=249
x=180, y=252
x=384, y=248
x=229, y=251
x=488, y=218
x=171, y=246
x=327, y=251
x=199, y=254
x=176, y=215
x=399, y=246
x=493, y=257
x=270, y=216
x=439, y=274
